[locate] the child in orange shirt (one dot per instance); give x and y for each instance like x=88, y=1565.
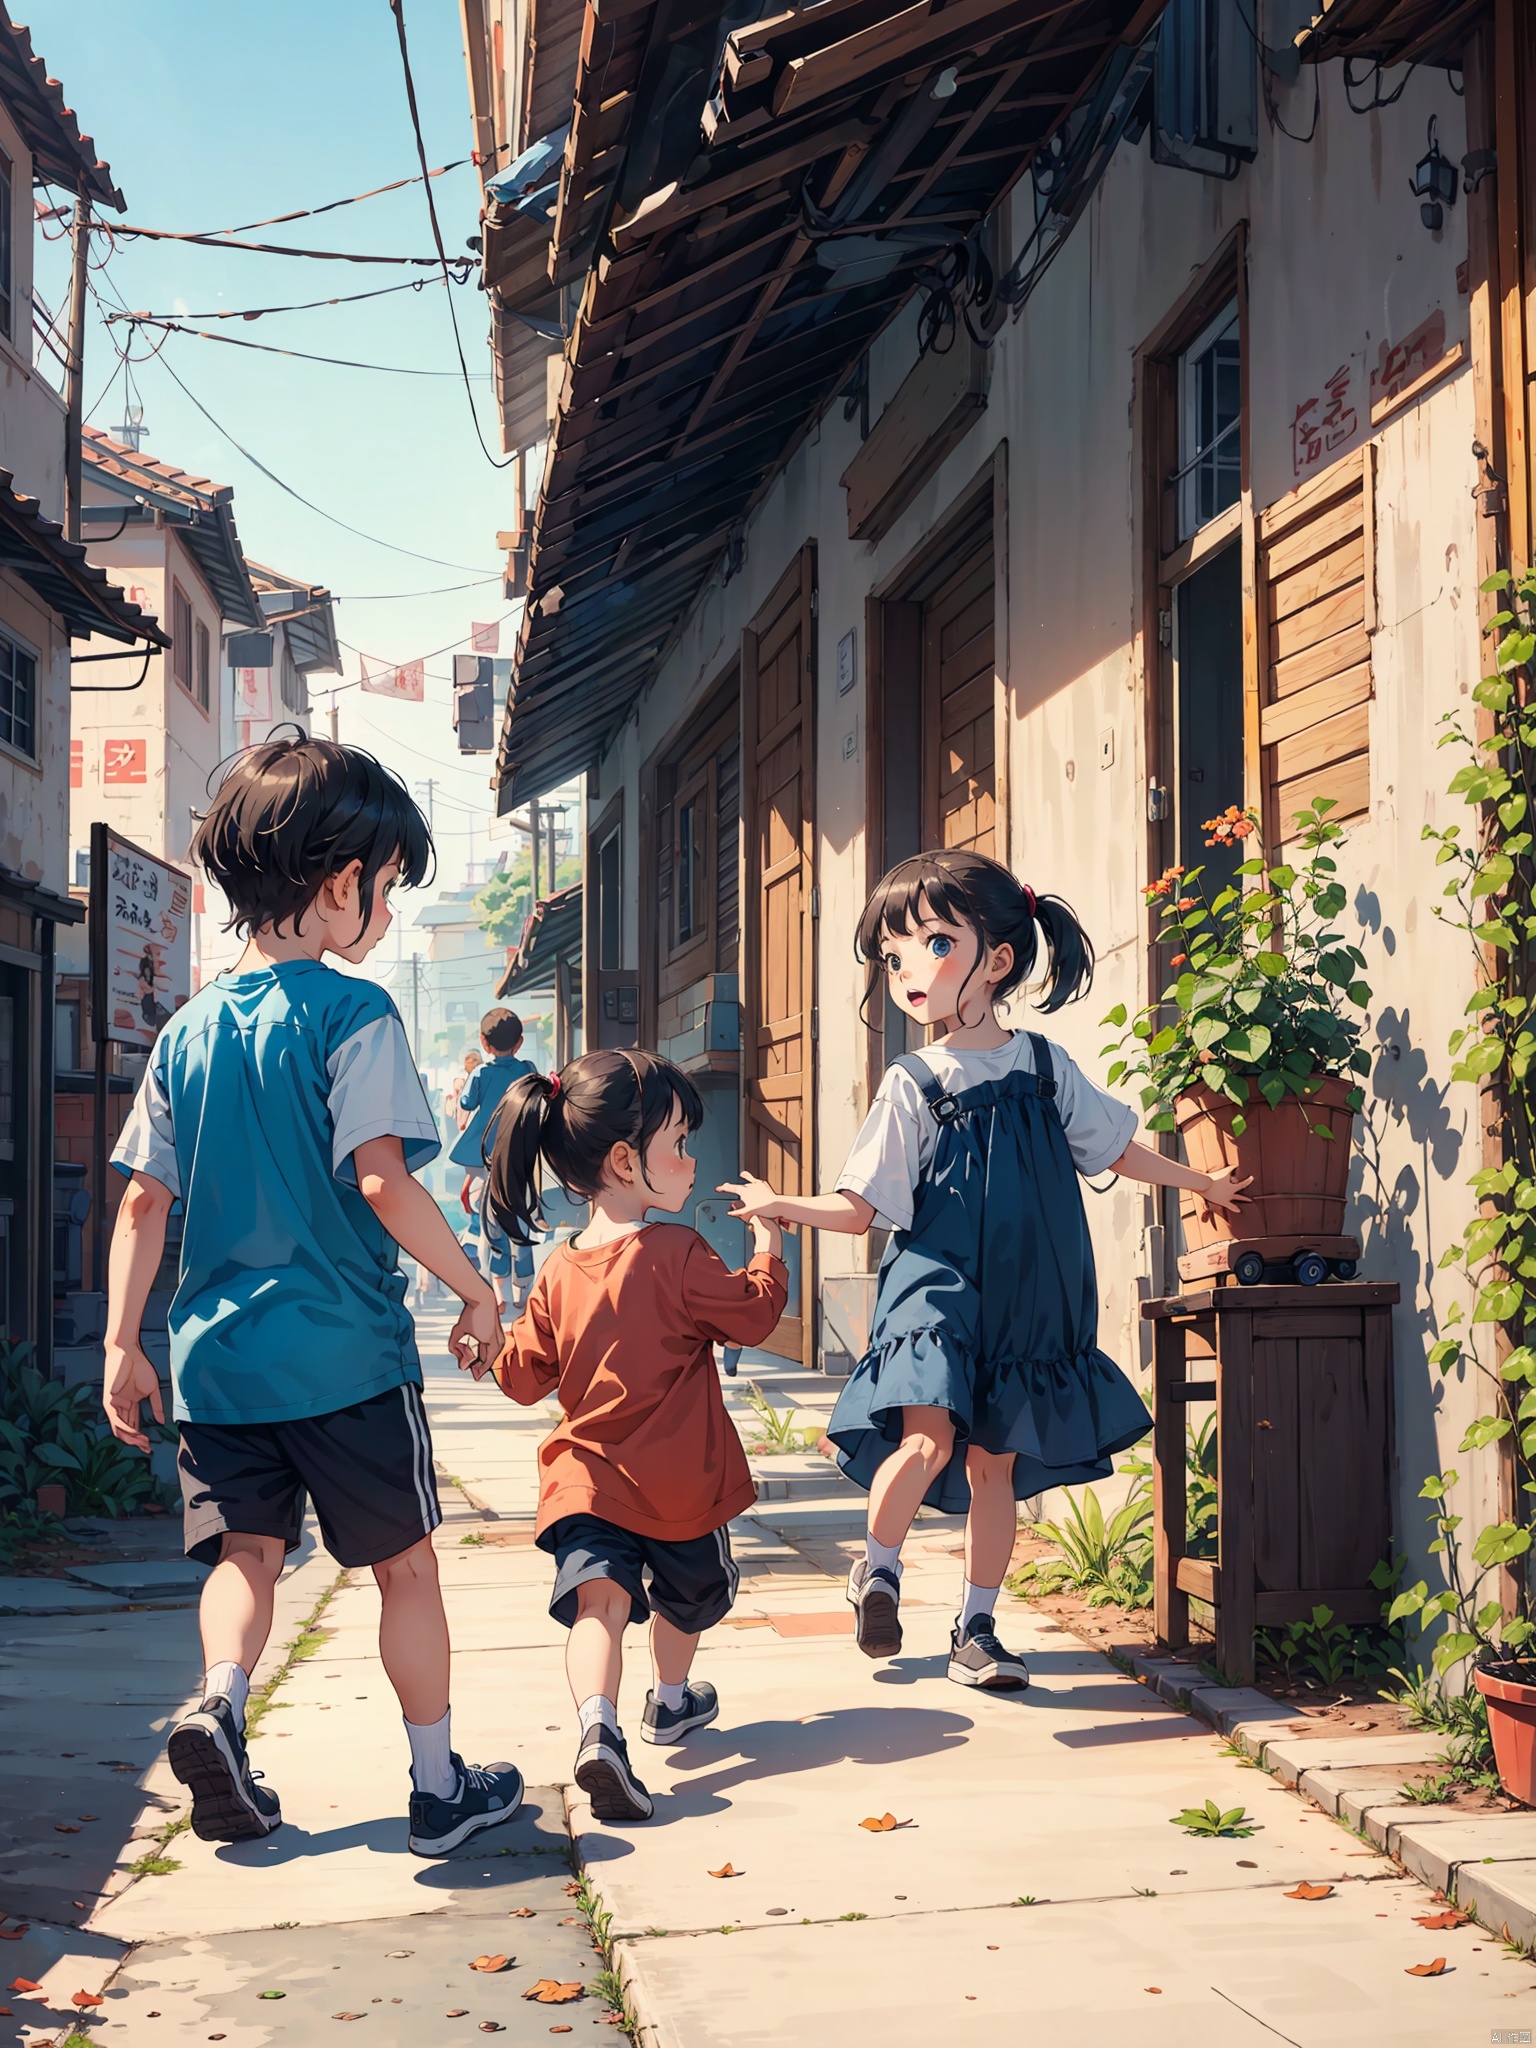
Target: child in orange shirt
x=640, y=1477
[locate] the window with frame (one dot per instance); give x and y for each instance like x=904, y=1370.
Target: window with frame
x=18, y=696
x=610, y=910
x=204, y=664
x=181, y=637
x=1210, y=403
x=7, y=248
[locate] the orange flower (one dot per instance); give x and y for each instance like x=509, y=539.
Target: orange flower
x=1186, y=903
x=1179, y=959
x=1206, y=1056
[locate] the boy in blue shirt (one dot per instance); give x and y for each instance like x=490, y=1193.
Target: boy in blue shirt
x=282, y=1108
x=501, y=1033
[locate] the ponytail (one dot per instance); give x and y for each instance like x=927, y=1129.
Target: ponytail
x=516, y=1140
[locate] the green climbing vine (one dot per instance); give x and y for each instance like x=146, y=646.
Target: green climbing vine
x=1490, y=897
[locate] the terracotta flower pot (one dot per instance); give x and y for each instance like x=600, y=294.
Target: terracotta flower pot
x=1512, y=1724
x=1299, y=1179
x=52, y=1500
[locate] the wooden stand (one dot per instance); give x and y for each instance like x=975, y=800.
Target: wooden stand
x=1302, y=1381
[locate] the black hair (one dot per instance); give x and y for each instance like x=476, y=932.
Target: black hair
x=502, y=1030
x=291, y=812
x=967, y=888
x=572, y=1122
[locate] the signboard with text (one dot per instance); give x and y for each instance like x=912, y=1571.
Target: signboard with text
x=141, y=939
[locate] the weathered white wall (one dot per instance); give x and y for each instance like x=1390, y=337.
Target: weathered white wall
x=1339, y=264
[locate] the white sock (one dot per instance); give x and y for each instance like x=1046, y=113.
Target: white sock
x=598, y=1708
x=977, y=1600
x=671, y=1696
x=432, y=1768
x=886, y=1556
x=228, y=1682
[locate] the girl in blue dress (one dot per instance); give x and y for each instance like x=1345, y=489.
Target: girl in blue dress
x=983, y=1382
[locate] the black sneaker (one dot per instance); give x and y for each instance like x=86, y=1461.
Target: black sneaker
x=876, y=1595
x=603, y=1773
x=670, y=1724
x=976, y=1657
x=487, y=1796
x=207, y=1752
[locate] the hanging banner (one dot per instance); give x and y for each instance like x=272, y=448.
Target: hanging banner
x=486, y=639
x=406, y=683
x=253, y=695
x=140, y=935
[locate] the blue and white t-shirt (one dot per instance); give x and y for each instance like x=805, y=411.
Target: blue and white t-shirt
x=291, y=1301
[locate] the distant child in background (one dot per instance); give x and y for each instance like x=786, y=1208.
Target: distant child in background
x=984, y=1382
x=451, y=1100
x=501, y=1034
x=645, y=1469
x=281, y=1107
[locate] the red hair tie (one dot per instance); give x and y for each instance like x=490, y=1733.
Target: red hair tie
x=1029, y=897
x=554, y=1086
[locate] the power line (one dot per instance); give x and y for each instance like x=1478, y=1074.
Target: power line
x=267, y=348
x=414, y=284
x=392, y=596
x=397, y=8
x=277, y=220
x=113, y=231
x=298, y=496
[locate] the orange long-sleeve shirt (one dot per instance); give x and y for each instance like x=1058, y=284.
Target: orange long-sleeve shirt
x=622, y=1333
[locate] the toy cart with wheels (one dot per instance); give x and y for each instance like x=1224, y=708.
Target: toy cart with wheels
x=1299, y=1262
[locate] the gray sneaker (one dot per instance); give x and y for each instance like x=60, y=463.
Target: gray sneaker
x=976, y=1657
x=604, y=1773
x=670, y=1724
x=206, y=1750
x=875, y=1595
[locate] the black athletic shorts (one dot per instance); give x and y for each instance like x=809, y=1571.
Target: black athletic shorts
x=692, y=1584
x=368, y=1470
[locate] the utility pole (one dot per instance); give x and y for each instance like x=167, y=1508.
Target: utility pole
x=74, y=379
x=533, y=843
x=429, y=784
x=416, y=1008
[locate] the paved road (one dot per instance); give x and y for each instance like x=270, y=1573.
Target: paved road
x=1035, y=1887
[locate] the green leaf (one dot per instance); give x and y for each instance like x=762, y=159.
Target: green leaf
x=1272, y=1088
x=1282, y=877
x=1207, y=1031
x=1498, y=1302
x=1239, y=1125
x=1487, y=1429
x=1271, y=964
x=1451, y=1649
x=1117, y=1016
x=1359, y=992
x=1500, y=1542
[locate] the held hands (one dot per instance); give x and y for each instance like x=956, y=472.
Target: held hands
x=130, y=1379
x=752, y=1199
x=476, y=1337
x=1222, y=1191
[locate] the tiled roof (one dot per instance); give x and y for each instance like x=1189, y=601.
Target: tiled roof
x=61, y=155
x=201, y=511
x=34, y=549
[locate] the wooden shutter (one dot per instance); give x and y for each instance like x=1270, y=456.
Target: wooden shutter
x=959, y=696
x=1317, y=609
x=778, y=993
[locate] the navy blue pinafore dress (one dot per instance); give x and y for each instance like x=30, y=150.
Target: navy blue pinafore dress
x=988, y=1305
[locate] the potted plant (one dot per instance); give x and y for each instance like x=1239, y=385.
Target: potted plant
x=1251, y=1052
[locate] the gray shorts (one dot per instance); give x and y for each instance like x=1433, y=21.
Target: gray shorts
x=692, y=1584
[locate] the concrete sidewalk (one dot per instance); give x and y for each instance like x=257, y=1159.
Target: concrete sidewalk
x=1035, y=1885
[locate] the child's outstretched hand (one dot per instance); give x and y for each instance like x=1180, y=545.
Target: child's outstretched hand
x=476, y=1337
x=130, y=1380
x=751, y=1199
x=1222, y=1191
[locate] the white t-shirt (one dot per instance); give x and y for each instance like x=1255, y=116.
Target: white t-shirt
x=896, y=1142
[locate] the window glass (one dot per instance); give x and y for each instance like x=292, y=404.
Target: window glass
x=7, y=1077
x=7, y=287
x=181, y=636
x=690, y=869
x=1210, y=424
x=66, y=1037
x=202, y=664
x=18, y=697
x=609, y=909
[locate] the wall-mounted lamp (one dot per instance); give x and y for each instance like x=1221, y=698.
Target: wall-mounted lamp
x=1434, y=182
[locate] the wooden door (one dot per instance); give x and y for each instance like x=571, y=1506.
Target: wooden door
x=960, y=706
x=778, y=676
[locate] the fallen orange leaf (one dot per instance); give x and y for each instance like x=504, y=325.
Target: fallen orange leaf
x=23, y=1985
x=1433, y=1969
x=63, y=1827
x=1310, y=1891
x=549, y=1991
x=884, y=1824
x=1155, y=1989
x=726, y=1870
x=1435, y=1922
x=522, y=1913
x=457, y=2012
x=489, y=1965
x=84, y=1998
x=12, y=1933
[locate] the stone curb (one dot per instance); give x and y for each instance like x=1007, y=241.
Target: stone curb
x=1485, y=1863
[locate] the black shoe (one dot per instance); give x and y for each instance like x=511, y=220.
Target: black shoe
x=976, y=1657
x=486, y=1797
x=603, y=1773
x=207, y=1752
x=875, y=1594
x=670, y=1724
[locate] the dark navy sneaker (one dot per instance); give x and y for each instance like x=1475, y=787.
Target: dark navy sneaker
x=976, y=1657
x=670, y=1724
x=603, y=1772
x=207, y=1752
x=487, y=1796
x=875, y=1593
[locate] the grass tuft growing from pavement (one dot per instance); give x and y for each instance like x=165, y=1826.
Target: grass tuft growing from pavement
x=607, y=1984
x=310, y=1639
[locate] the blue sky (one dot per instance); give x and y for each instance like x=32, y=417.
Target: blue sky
x=213, y=115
